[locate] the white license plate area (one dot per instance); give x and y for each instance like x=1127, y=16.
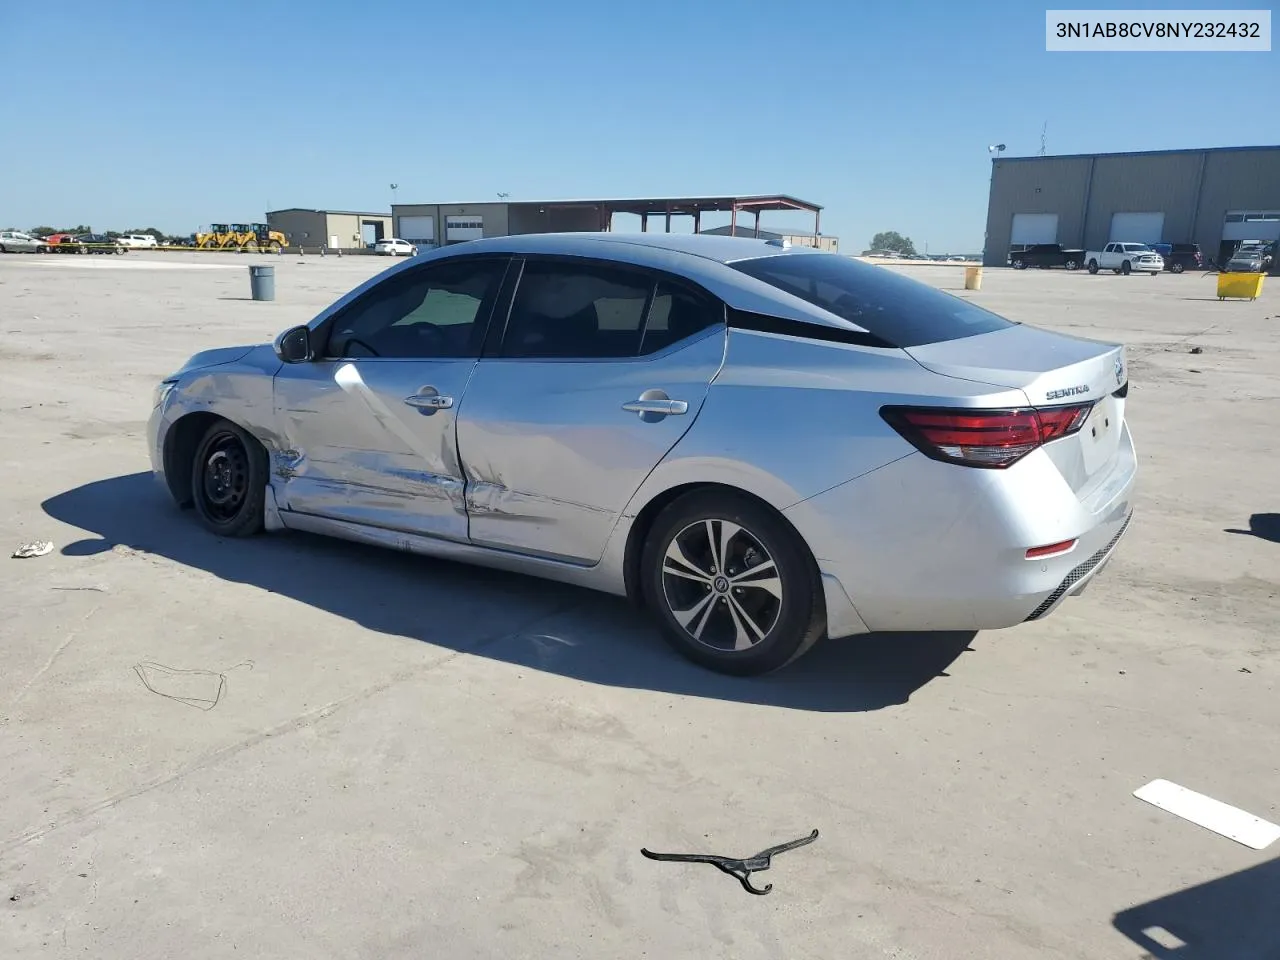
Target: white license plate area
x=1100, y=435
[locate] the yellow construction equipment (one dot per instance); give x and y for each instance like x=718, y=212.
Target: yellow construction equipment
x=262, y=237
x=246, y=237
x=219, y=237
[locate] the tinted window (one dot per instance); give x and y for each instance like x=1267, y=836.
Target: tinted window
x=439, y=311
x=902, y=312
x=576, y=310
x=677, y=313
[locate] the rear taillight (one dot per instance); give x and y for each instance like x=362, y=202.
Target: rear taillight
x=983, y=438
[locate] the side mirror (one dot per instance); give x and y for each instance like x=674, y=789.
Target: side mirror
x=294, y=345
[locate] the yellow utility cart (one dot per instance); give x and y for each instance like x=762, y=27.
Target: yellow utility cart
x=1245, y=286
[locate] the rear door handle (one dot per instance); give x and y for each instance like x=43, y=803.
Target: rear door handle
x=429, y=401
x=664, y=408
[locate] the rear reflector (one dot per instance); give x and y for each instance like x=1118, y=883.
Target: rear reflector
x=1050, y=549
x=983, y=438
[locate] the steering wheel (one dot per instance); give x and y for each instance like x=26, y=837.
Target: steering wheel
x=351, y=340
x=431, y=330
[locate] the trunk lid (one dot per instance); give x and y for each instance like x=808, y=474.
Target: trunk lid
x=1053, y=370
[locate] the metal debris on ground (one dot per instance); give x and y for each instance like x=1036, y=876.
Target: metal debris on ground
x=37, y=548
x=739, y=869
x=202, y=689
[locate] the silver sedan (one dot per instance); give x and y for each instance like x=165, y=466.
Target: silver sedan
x=762, y=445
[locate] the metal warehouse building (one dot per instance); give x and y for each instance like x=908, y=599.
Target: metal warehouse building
x=1215, y=197
x=439, y=224
x=335, y=229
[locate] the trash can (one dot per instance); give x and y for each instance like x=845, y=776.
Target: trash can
x=262, y=282
x=973, y=278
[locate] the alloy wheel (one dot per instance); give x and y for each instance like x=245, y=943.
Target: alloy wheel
x=721, y=585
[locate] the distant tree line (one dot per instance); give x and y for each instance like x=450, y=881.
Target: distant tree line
x=84, y=228
x=894, y=241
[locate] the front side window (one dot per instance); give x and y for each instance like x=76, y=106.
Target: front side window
x=897, y=310
x=433, y=312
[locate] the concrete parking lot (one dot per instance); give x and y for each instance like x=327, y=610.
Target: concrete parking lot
x=291, y=747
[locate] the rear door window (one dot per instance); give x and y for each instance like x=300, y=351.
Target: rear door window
x=900, y=311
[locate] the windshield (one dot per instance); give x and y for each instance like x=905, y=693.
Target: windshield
x=904, y=312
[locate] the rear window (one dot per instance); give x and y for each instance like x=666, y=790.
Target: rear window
x=903, y=312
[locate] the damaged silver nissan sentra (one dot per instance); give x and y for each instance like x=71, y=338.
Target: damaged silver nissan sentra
x=761, y=444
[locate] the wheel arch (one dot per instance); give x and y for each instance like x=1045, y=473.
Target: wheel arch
x=180, y=442
x=638, y=533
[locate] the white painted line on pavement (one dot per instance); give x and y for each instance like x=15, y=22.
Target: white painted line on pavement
x=1230, y=822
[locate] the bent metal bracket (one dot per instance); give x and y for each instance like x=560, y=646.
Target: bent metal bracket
x=739, y=869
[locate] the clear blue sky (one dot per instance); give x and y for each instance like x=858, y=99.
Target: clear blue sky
x=131, y=113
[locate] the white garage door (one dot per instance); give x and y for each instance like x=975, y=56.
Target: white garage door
x=1137, y=227
x=460, y=228
x=1252, y=225
x=1034, y=228
x=418, y=230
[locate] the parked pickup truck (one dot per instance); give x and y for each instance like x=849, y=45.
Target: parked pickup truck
x=1125, y=258
x=1045, y=255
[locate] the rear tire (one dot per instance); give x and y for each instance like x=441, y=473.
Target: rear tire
x=731, y=583
x=1176, y=268
x=229, y=481
x=1093, y=266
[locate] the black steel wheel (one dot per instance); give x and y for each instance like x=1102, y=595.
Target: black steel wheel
x=731, y=583
x=228, y=481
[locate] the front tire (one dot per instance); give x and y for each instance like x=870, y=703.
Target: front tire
x=228, y=481
x=1073, y=265
x=1177, y=267
x=1019, y=265
x=1125, y=268
x=731, y=583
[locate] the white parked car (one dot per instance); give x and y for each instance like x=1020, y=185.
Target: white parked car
x=1125, y=258
x=138, y=240
x=393, y=247
x=15, y=241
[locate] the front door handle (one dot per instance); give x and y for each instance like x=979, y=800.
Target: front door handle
x=661, y=408
x=429, y=401
x=665, y=408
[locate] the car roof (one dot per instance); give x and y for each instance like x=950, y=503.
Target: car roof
x=701, y=258
x=613, y=245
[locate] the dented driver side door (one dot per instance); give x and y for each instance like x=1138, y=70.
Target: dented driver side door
x=370, y=425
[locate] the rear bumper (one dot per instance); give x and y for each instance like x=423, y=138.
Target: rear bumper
x=920, y=545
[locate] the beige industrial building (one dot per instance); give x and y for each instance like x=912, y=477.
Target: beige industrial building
x=440, y=224
x=332, y=229
x=1217, y=197
x=823, y=242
